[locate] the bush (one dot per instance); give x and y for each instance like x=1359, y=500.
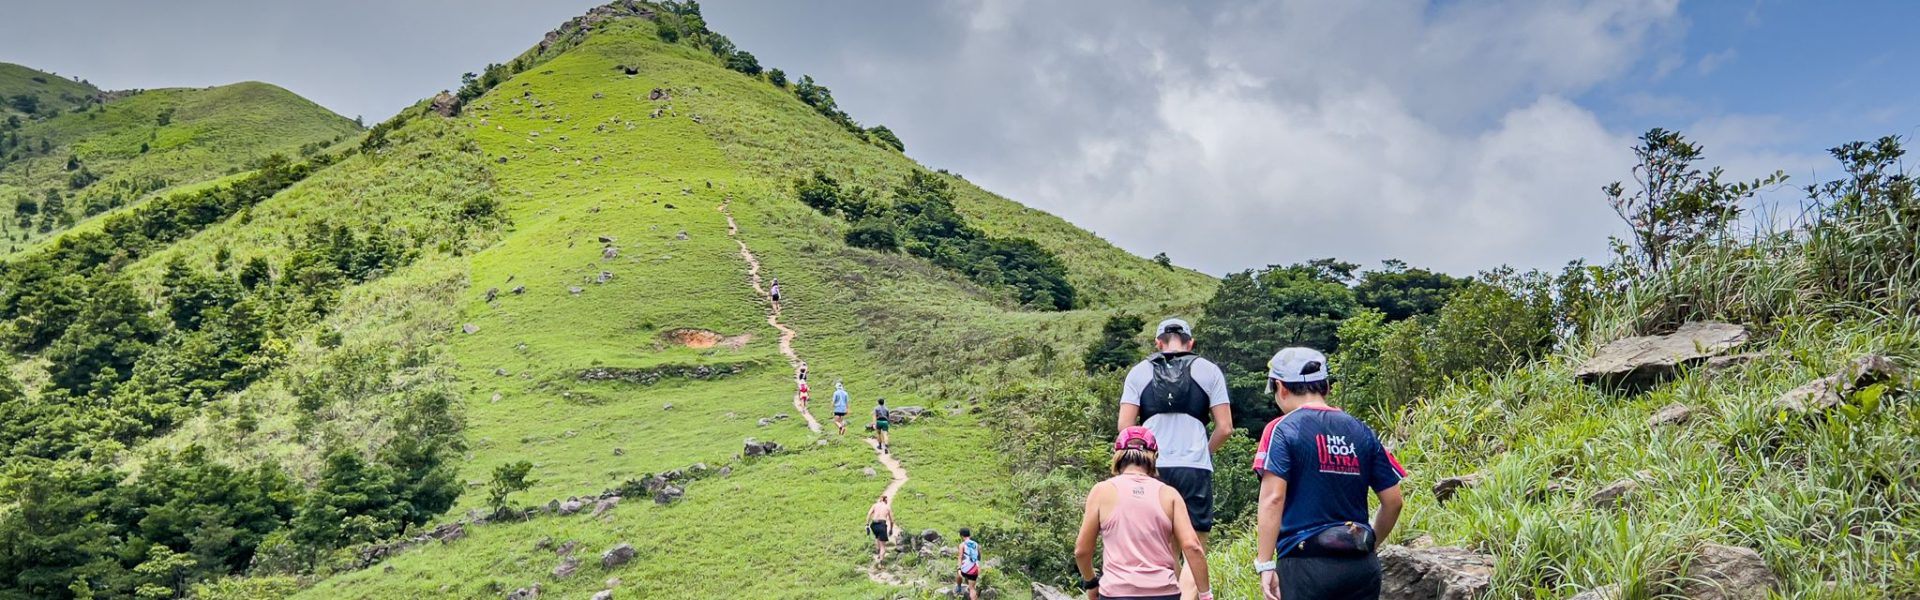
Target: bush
x=507, y=479
x=885, y=137
x=777, y=77
x=1119, y=345
x=873, y=234
x=744, y=62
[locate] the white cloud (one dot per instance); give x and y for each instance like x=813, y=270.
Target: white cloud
x=1712, y=61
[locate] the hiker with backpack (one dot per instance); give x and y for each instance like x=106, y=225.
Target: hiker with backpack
x=881, y=424
x=1175, y=393
x=1142, y=526
x=840, y=406
x=967, y=581
x=1313, y=536
x=880, y=524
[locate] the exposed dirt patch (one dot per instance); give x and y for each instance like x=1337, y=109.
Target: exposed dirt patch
x=701, y=339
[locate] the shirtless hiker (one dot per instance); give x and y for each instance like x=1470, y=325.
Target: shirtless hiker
x=880, y=524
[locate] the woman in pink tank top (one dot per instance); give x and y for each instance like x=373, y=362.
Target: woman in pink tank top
x=1140, y=523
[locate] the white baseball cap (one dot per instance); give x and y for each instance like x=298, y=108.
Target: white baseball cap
x=1296, y=365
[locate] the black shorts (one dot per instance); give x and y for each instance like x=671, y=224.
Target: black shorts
x=975, y=576
x=1196, y=488
x=776, y=297
x=1330, y=578
x=839, y=414
x=879, y=529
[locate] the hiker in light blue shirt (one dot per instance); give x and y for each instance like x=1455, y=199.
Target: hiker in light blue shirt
x=840, y=406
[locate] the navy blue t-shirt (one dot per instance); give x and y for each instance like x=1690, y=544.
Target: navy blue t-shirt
x=1329, y=460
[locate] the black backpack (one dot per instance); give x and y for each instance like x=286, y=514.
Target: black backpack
x=1173, y=389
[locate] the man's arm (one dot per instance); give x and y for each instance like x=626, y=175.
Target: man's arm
x=1273, y=503
x=1390, y=504
x=1130, y=400
x=1222, y=426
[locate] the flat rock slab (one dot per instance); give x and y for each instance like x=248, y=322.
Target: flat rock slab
x=1637, y=363
x=1443, y=573
x=1728, y=573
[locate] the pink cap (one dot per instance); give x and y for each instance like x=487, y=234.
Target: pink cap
x=1136, y=437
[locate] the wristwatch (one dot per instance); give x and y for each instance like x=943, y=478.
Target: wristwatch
x=1262, y=567
x=1088, y=584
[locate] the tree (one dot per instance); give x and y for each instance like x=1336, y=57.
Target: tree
x=1400, y=292
x=109, y=335
x=819, y=191
x=1162, y=260
x=1255, y=313
x=1677, y=205
x=1119, y=345
x=874, y=234
x=744, y=62
x=507, y=479
x=884, y=136
x=777, y=77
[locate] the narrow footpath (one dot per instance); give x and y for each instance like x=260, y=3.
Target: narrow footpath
x=793, y=358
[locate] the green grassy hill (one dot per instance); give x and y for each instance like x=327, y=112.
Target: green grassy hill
x=601, y=249
x=51, y=94
x=58, y=170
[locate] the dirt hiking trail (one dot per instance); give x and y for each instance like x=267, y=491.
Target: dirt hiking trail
x=787, y=334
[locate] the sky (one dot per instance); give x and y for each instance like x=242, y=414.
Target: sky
x=1229, y=134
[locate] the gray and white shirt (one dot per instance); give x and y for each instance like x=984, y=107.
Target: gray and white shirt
x=1182, y=438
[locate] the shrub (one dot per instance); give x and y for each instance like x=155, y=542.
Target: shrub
x=744, y=62
x=873, y=234
x=777, y=77
x=507, y=479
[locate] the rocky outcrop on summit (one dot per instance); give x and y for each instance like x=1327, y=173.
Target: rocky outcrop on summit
x=445, y=103
x=1443, y=573
x=1637, y=363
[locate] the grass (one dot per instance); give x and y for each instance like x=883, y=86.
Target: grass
x=209, y=133
x=579, y=167
x=52, y=90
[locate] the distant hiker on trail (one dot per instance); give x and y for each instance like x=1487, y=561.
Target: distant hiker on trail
x=801, y=371
x=969, y=575
x=1140, y=523
x=776, y=290
x=1313, y=511
x=840, y=407
x=880, y=524
x=880, y=425
x=804, y=394
x=1174, y=393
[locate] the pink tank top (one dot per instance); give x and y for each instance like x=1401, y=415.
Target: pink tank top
x=1137, y=536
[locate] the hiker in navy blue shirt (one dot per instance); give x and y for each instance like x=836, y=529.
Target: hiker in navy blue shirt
x=1314, y=540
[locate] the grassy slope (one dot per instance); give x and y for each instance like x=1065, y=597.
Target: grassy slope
x=212, y=132
x=1740, y=472
x=889, y=325
x=55, y=91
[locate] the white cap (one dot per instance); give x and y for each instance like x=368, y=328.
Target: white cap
x=1296, y=365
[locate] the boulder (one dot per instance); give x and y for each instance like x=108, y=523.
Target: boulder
x=724, y=471
x=566, y=567
x=764, y=423
x=519, y=289
x=1671, y=414
x=609, y=253
x=906, y=414
x=1445, y=488
x=603, y=277
x=682, y=236
x=570, y=506
x=1617, y=492
x=603, y=595
x=525, y=593
x=1443, y=573
x=447, y=105
x=566, y=548
x=1637, y=363
x=618, y=555
x=1723, y=363
x=669, y=495
x=1720, y=572
x=575, y=290
x=492, y=292
x=1828, y=392
x=759, y=448
x=605, y=504
x=868, y=471
x=1606, y=592
x=544, y=543
x=613, y=582
x=449, y=532
x=1043, y=591
x=470, y=328
x=929, y=536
